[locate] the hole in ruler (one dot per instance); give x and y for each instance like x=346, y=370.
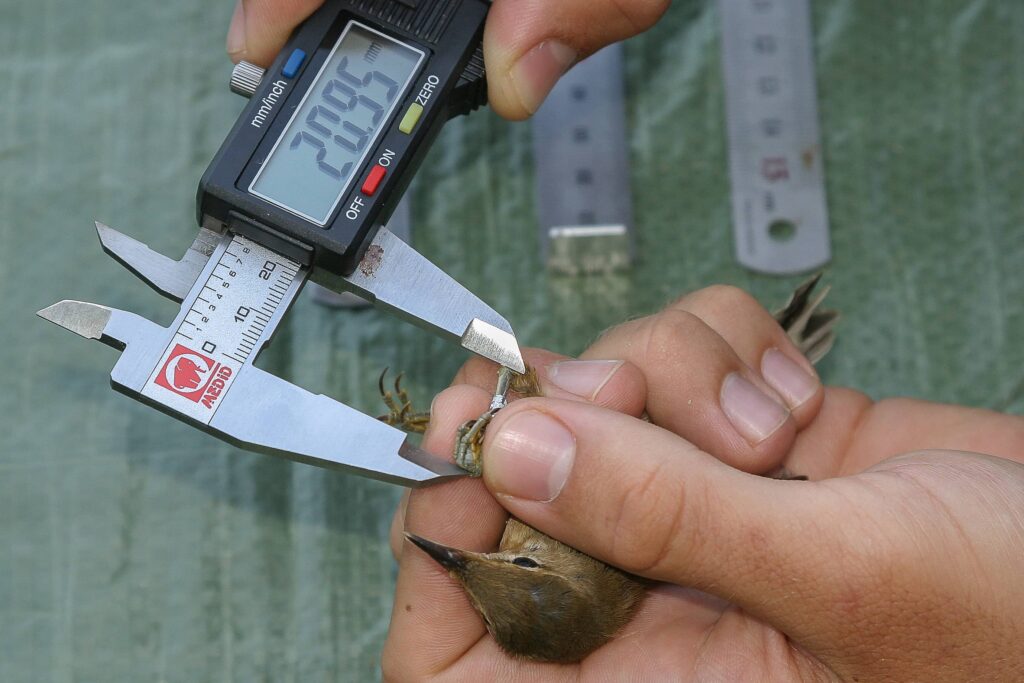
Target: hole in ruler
x=782, y=230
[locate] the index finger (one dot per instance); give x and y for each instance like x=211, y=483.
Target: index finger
x=615, y=384
x=432, y=622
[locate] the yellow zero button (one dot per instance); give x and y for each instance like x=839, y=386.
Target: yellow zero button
x=411, y=118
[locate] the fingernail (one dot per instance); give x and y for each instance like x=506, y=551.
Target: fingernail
x=585, y=378
x=530, y=457
x=752, y=413
x=236, y=32
x=536, y=72
x=788, y=377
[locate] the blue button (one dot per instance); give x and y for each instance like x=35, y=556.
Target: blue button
x=293, y=64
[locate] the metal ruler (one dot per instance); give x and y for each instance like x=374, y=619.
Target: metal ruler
x=780, y=217
x=581, y=158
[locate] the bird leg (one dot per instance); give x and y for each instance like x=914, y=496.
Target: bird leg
x=470, y=440
x=469, y=444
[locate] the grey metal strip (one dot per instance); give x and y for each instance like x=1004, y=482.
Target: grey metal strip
x=581, y=156
x=780, y=217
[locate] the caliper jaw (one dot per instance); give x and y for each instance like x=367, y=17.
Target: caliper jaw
x=170, y=278
x=392, y=275
x=252, y=409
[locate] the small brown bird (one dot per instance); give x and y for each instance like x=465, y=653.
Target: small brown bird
x=539, y=598
x=534, y=590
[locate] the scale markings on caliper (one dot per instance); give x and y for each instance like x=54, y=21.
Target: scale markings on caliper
x=780, y=218
x=221, y=325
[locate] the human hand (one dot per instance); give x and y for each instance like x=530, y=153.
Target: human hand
x=528, y=44
x=885, y=568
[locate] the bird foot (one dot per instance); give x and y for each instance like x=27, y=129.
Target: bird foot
x=400, y=411
x=469, y=444
x=470, y=439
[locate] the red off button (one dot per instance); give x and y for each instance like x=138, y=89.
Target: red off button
x=373, y=180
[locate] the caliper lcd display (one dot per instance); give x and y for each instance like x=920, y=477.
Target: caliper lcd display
x=325, y=144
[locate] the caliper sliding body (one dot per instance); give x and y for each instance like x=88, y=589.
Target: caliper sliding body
x=299, y=190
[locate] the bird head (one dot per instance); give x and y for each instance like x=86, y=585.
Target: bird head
x=539, y=598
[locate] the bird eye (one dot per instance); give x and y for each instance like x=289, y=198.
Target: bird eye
x=525, y=562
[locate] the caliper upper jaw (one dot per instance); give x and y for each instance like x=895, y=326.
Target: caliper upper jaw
x=393, y=276
x=398, y=279
x=173, y=279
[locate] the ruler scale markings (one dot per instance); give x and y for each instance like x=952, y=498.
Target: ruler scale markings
x=780, y=217
x=227, y=319
x=581, y=157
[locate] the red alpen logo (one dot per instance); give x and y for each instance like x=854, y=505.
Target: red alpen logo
x=193, y=375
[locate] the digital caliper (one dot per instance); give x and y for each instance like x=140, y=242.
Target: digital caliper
x=314, y=166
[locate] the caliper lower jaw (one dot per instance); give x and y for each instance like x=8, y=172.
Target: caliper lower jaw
x=257, y=411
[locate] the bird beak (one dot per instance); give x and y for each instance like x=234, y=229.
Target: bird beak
x=449, y=558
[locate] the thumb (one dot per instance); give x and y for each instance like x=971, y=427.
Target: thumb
x=260, y=28
x=643, y=499
x=529, y=44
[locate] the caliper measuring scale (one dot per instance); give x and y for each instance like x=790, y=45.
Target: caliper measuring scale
x=299, y=190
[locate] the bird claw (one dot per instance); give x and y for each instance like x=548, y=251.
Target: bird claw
x=469, y=444
x=400, y=411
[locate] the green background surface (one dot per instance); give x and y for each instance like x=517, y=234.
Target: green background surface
x=133, y=548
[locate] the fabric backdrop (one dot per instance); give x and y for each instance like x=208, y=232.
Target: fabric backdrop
x=133, y=548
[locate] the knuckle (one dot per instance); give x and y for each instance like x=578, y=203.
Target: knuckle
x=665, y=333
x=726, y=298
x=398, y=667
x=648, y=520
